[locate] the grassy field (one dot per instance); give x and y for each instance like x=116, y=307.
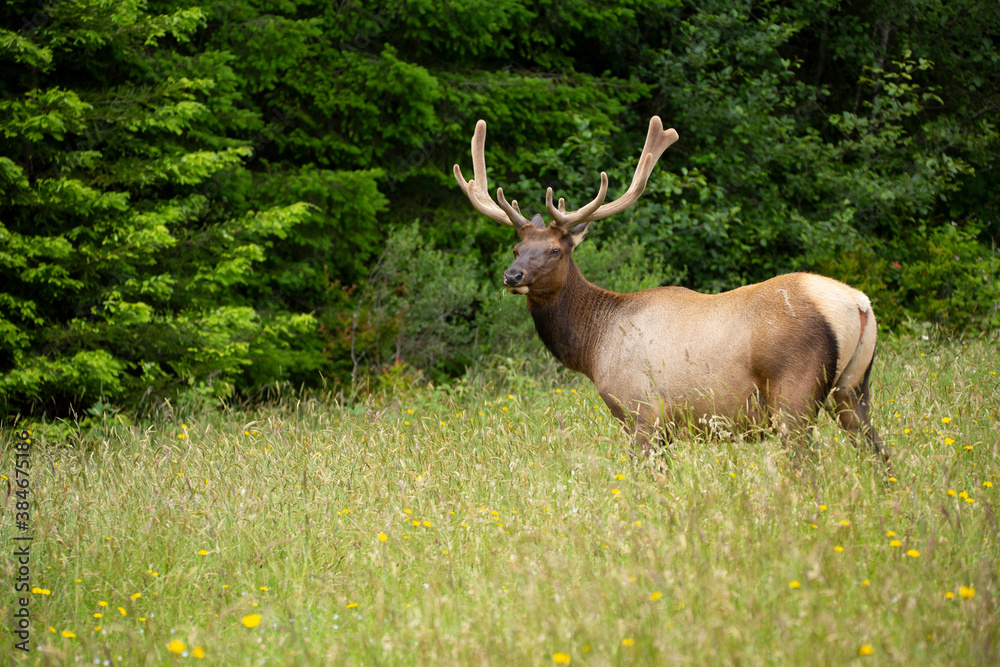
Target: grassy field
x=504, y=521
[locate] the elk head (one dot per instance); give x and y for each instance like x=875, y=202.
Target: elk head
x=543, y=256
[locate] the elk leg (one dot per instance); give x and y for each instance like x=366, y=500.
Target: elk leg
x=851, y=406
x=633, y=420
x=792, y=408
x=640, y=423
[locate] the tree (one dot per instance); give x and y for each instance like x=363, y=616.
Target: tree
x=121, y=247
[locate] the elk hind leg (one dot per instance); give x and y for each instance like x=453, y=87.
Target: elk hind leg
x=793, y=408
x=851, y=405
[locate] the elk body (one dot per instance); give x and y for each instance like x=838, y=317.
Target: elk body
x=766, y=354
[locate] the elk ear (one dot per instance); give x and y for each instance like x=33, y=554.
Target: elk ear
x=577, y=233
x=538, y=222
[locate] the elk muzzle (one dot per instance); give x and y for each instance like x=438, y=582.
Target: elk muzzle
x=512, y=278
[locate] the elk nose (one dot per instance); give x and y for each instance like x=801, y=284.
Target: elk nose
x=512, y=277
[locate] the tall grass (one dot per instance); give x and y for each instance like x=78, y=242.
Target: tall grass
x=505, y=521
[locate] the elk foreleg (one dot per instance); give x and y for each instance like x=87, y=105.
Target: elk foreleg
x=640, y=422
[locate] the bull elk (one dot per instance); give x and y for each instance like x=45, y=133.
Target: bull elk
x=770, y=353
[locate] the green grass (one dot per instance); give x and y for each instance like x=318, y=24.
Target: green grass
x=517, y=527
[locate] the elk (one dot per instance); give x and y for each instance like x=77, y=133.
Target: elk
x=768, y=354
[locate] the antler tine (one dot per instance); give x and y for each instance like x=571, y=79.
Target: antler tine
x=565, y=219
x=477, y=189
x=657, y=141
x=512, y=210
x=484, y=206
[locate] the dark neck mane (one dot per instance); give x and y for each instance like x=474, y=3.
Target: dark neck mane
x=571, y=323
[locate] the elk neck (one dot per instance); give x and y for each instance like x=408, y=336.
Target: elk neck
x=571, y=322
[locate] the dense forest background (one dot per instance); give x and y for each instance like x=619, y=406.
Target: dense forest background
x=209, y=199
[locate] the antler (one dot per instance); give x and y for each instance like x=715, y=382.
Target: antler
x=657, y=141
x=477, y=191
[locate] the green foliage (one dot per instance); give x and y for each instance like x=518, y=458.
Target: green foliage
x=213, y=198
x=947, y=280
x=121, y=268
x=418, y=306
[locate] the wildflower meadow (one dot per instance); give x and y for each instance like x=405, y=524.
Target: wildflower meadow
x=504, y=519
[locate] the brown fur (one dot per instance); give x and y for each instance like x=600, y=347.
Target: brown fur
x=764, y=354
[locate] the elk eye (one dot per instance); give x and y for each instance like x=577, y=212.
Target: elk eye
x=515, y=251
x=554, y=252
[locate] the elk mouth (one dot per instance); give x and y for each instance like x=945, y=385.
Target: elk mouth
x=519, y=289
